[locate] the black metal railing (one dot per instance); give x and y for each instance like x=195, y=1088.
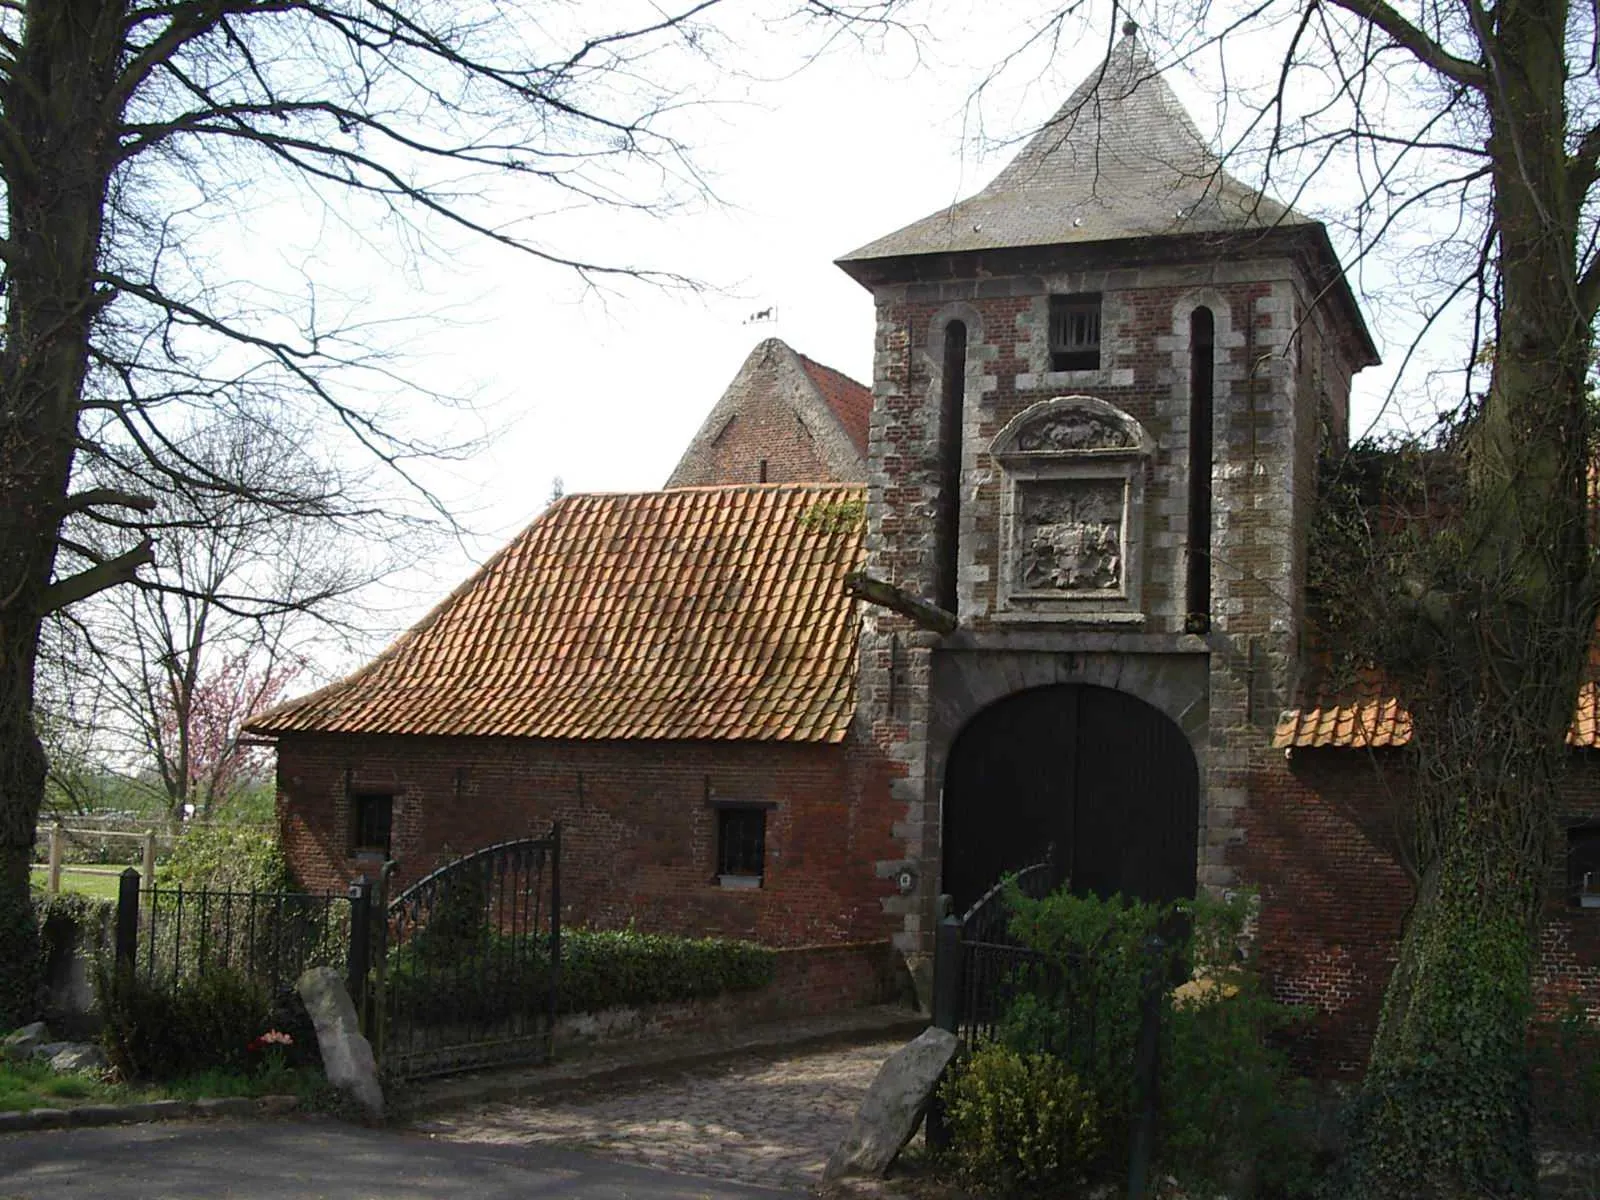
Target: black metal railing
x=984, y=976
x=168, y=936
x=467, y=962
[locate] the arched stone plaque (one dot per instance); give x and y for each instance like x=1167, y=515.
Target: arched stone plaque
x=1072, y=511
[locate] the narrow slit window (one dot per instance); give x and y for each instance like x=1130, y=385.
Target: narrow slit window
x=947, y=530
x=1075, y=333
x=1202, y=387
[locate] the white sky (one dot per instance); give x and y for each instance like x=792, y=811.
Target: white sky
x=606, y=392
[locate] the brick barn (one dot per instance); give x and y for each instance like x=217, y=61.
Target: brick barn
x=1101, y=387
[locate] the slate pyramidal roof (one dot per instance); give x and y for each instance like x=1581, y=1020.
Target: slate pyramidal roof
x=1120, y=160
x=705, y=613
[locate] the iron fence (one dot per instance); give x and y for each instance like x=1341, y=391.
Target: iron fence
x=171, y=935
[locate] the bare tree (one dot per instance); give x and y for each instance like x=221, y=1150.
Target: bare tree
x=127, y=125
x=1461, y=139
x=218, y=626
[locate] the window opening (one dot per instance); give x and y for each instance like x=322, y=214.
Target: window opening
x=372, y=821
x=763, y=470
x=1075, y=333
x=1583, y=865
x=947, y=519
x=741, y=844
x=1202, y=375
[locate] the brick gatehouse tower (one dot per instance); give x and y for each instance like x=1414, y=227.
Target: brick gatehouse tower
x=1101, y=387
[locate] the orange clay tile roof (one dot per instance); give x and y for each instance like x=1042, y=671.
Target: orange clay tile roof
x=850, y=401
x=1377, y=721
x=713, y=612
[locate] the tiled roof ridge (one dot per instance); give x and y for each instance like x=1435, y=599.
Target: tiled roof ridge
x=793, y=484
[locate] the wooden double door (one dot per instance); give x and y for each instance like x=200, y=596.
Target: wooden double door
x=1107, y=780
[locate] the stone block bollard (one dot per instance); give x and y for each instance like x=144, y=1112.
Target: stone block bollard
x=346, y=1054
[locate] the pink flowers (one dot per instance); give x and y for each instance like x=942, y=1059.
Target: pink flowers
x=271, y=1038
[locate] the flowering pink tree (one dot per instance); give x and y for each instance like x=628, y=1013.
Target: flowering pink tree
x=197, y=745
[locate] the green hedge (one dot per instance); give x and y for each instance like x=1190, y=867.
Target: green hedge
x=613, y=969
x=492, y=978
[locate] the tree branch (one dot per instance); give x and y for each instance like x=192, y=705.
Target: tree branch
x=1423, y=48
x=105, y=497
x=108, y=574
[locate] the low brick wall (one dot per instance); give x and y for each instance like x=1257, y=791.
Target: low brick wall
x=808, y=980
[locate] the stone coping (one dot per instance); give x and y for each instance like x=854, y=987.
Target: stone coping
x=29, y=1120
x=607, y=1063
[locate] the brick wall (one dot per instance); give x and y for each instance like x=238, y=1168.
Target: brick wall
x=1322, y=843
x=765, y=430
x=639, y=829
x=808, y=980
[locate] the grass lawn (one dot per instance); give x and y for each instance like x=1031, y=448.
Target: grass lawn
x=74, y=879
x=34, y=1085
x=25, y=1085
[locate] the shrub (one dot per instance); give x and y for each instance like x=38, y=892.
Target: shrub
x=1229, y=1105
x=1082, y=1003
x=228, y=858
x=1231, y=1110
x=70, y=922
x=156, y=1029
x=1021, y=1124
x=605, y=969
x=162, y=1029
x=19, y=944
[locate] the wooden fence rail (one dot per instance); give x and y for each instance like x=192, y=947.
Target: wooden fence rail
x=59, y=834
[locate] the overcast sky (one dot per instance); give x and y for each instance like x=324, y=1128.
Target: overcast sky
x=604, y=391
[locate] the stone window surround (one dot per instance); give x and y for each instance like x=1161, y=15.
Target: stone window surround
x=1125, y=464
x=1036, y=345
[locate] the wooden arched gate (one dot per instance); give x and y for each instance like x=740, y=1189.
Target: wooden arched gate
x=1108, y=781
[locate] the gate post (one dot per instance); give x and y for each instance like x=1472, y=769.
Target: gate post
x=946, y=1005
x=359, y=962
x=555, y=937
x=1147, y=1069
x=127, y=939
x=947, y=974
x=53, y=879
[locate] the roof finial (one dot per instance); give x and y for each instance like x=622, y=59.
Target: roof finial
x=1129, y=28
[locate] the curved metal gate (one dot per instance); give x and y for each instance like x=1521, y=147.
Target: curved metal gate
x=469, y=962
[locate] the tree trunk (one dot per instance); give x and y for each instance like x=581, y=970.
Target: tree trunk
x=1444, y=1111
x=58, y=160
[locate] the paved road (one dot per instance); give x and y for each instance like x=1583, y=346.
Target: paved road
x=763, y=1121
x=301, y=1159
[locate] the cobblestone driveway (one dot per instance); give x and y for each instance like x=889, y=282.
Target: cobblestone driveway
x=766, y=1122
